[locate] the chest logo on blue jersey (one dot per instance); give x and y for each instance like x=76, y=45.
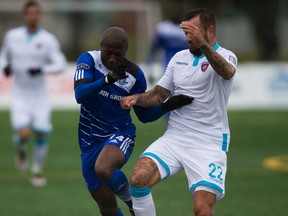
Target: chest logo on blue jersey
x=204, y=66
x=181, y=63
x=122, y=81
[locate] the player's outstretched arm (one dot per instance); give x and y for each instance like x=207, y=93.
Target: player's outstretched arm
x=152, y=97
x=152, y=114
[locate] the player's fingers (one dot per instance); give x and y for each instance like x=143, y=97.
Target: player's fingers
x=126, y=102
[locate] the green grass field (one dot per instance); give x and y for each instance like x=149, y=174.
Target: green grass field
x=251, y=189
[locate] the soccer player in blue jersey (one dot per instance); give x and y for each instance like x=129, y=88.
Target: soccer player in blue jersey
x=106, y=132
x=197, y=136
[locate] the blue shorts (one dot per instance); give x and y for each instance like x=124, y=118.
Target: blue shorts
x=123, y=142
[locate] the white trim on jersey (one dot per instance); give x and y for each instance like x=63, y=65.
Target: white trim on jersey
x=79, y=74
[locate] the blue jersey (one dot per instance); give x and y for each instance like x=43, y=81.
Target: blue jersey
x=101, y=115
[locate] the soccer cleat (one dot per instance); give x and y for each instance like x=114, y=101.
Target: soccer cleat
x=21, y=162
x=38, y=181
x=131, y=212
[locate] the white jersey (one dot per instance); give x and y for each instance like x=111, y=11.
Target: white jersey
x=205, y=120
x=25, y=51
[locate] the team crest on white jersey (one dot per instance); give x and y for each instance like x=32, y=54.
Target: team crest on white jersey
x=204, y=66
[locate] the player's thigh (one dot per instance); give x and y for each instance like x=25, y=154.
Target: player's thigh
x=88, y=159
x=20, y=115
x=205, y=170
x=163, y=153
x=117, y=150
x=42, y=116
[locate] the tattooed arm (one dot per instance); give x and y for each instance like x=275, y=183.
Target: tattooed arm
x=148, y=99
x=219, y=64
x=152, y=97
x=194, y=36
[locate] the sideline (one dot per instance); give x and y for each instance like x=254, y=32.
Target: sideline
x=278, y=163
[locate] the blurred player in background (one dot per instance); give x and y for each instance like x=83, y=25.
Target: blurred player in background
x=197, y=136
x=29, y=52
x=106, y=133
x=169, y=38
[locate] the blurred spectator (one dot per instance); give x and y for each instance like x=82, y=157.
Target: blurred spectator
x=169, y=38
x=28, y=53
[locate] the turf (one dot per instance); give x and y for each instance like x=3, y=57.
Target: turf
x=251, y=189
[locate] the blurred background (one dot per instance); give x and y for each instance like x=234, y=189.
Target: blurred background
x=256, y=31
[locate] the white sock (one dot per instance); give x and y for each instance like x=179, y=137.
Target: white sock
x=39, y=158
x=144, y=206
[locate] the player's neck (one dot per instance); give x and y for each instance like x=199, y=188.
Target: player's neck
x=32, y=29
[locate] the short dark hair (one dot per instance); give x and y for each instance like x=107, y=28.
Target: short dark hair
x=29, y=4
x=207, y=17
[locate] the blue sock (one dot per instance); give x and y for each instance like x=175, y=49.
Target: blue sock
x=119, y=184
x=119, y=213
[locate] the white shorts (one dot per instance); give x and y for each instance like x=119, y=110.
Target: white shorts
x=205, y=169
x=27, y=112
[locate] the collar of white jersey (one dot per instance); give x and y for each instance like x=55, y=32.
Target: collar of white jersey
x=197, y=58
x=30, y=36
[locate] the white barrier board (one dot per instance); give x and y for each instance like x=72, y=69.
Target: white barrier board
x=256, y=86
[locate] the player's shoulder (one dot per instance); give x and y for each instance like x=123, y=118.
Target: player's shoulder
x=182, y=54
x=231, y=56
x=90, y=57
x=16, y=31
x=225, y=51
x=47, y=34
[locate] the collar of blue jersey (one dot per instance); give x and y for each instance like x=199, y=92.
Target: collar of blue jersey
x=197, y=58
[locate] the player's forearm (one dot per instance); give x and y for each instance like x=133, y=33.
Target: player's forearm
x=219, y=64
x=152, y=97
x=85, y=90
x=149, y=114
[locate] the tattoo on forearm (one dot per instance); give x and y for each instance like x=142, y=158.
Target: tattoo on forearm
x=219, y=64
x=153, y=97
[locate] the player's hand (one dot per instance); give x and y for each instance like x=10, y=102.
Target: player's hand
x=194, y=32
x=176, y=102
x=117, y=73
x=34, y=71
x=8, y=71
x=128, y=102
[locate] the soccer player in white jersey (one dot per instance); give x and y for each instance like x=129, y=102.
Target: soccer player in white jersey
x=27, y=54
x=197, y=136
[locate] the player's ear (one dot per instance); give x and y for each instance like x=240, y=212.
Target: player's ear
x=211, y=32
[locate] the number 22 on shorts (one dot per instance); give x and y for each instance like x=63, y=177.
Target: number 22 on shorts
x=216, y=171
